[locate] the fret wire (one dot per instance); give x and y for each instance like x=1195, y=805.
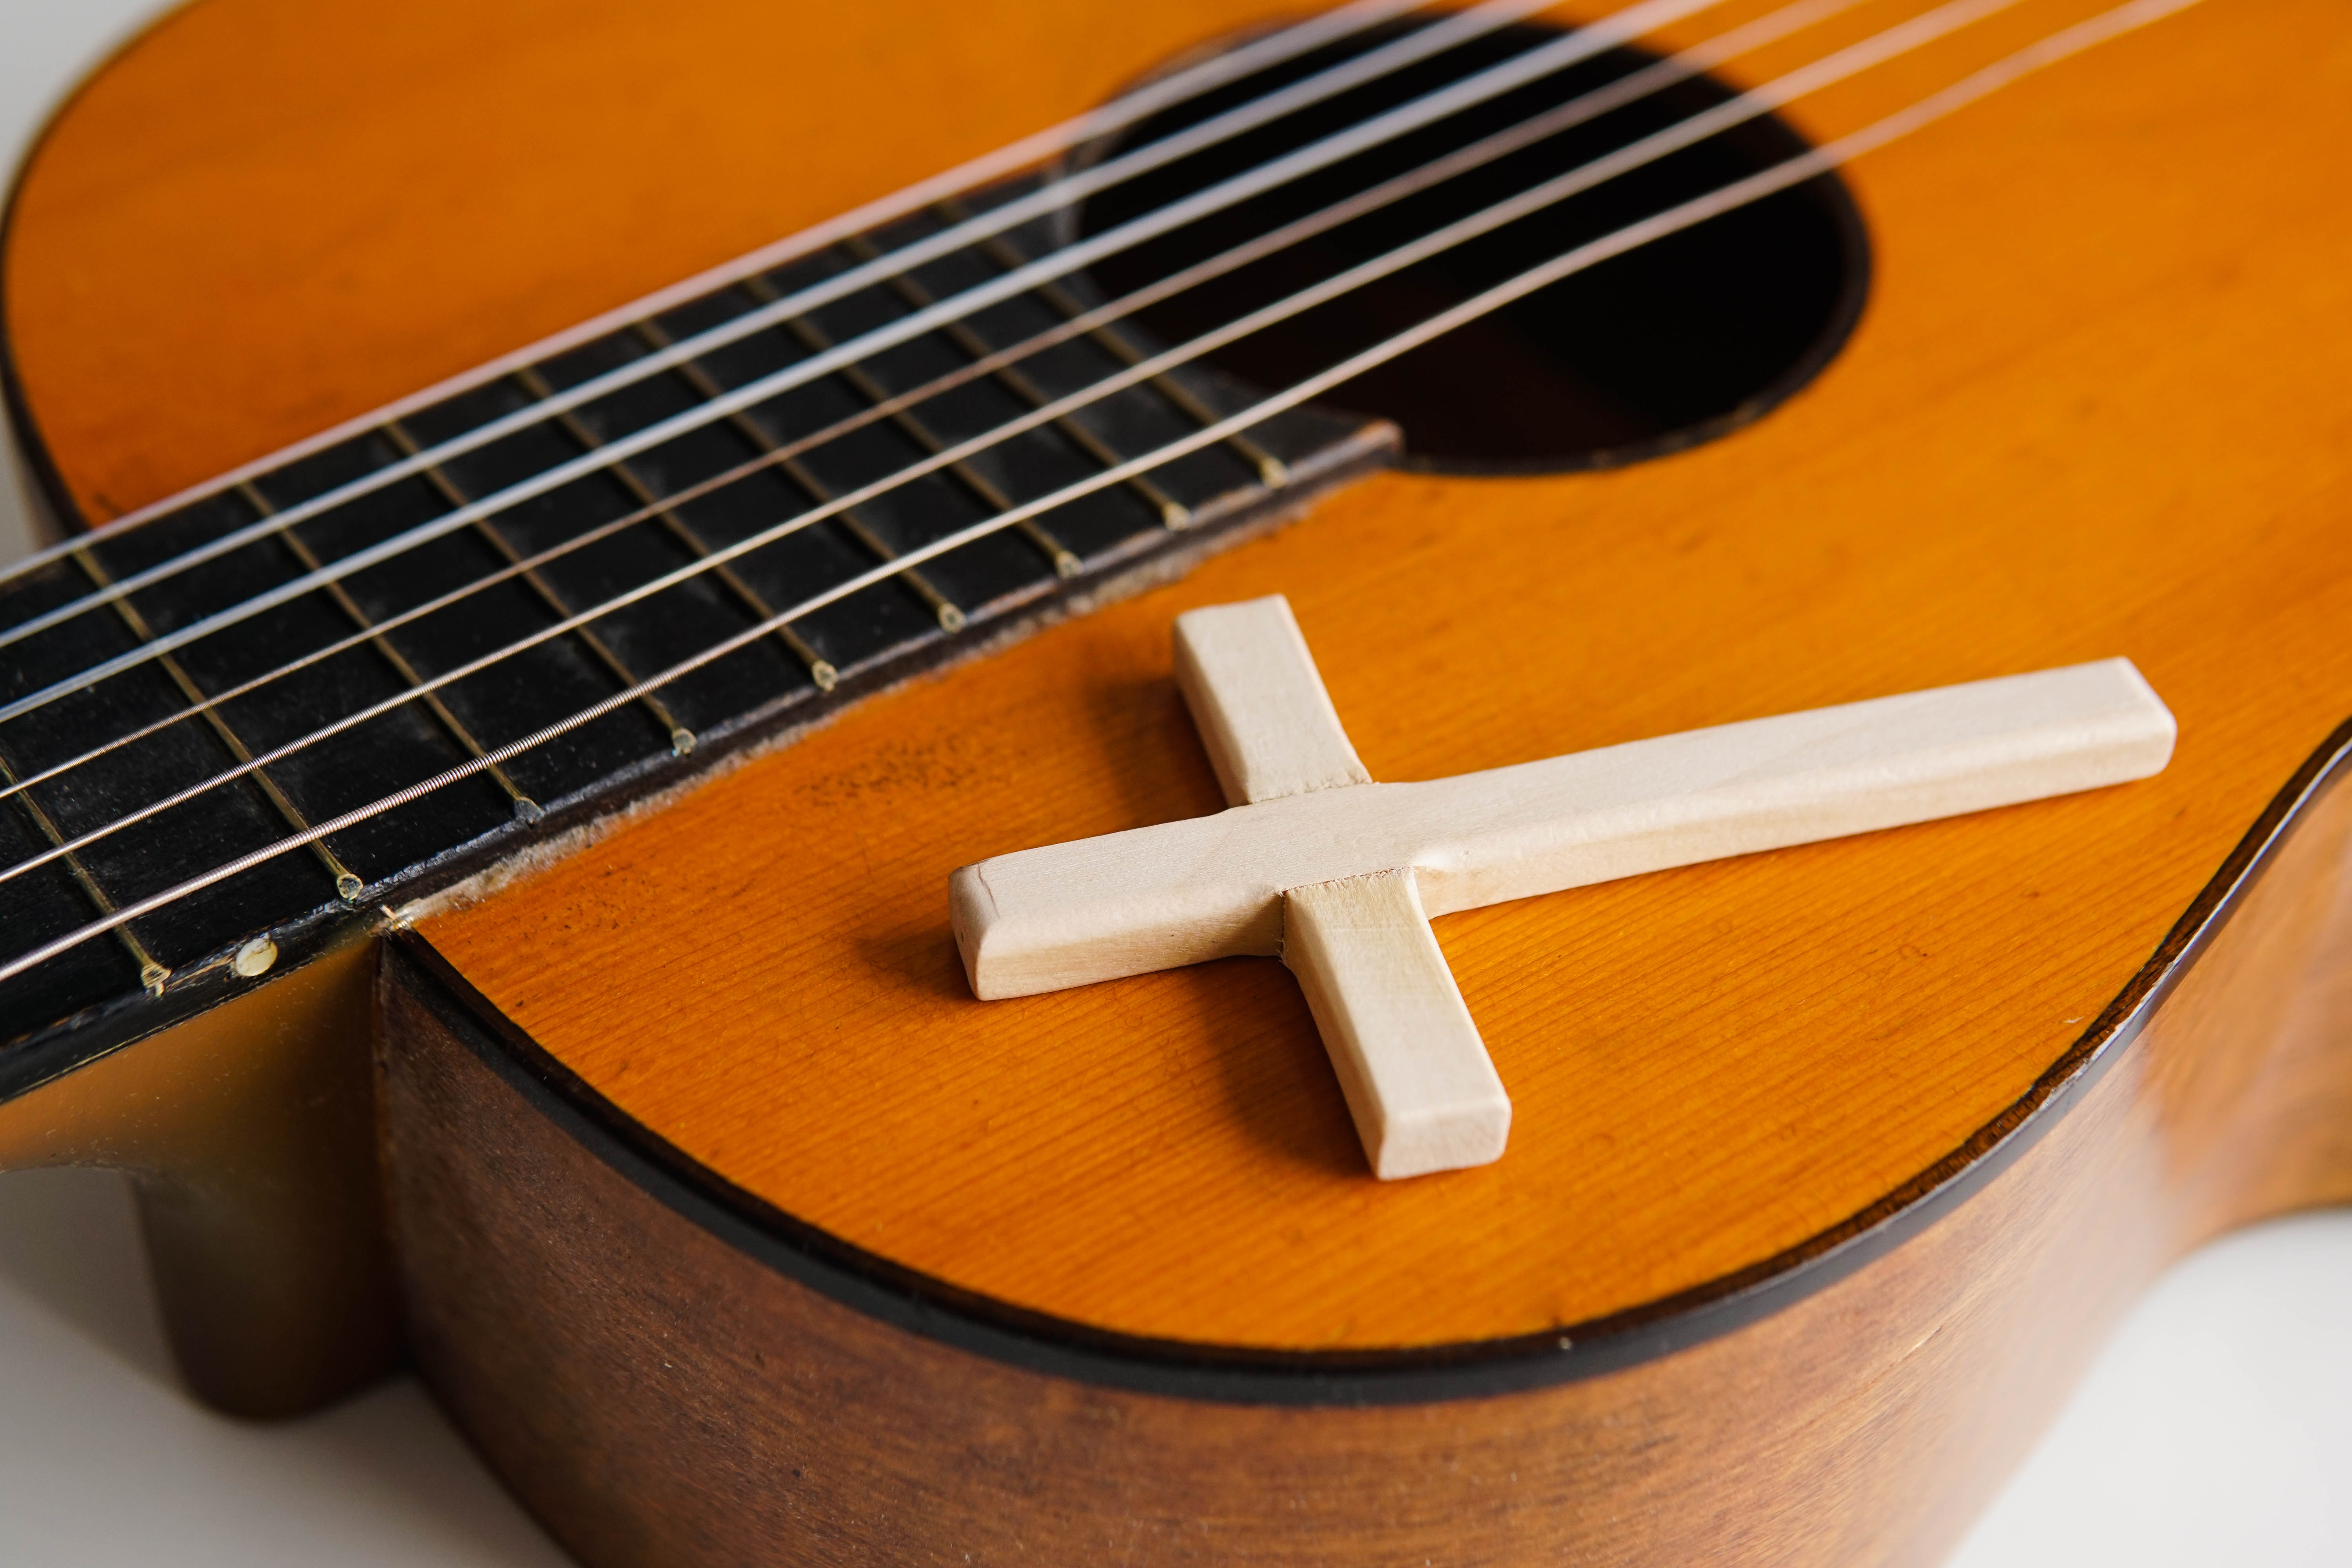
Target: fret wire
x=1208, y=435
x=827, y=509
x=1173, y=512
x=1187, y=278
x=348, y=883
x=681, y=739
x=1440, y=35
x=525, y=808
x=950, y=617
x=1702, y=57
x=1059, y=556
x=773, y=453
x=770, y=456
x=151, y=972
x=1271, y=470
x=820, y=668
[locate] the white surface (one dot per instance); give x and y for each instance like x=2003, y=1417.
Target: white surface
x=2216, y=1429
x=104, y=1461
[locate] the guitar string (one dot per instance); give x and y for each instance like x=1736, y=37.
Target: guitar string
x=1581, y=44
x=1589, y=41
x=1871, y=51
x=1140, y=103
x=2047, y=50
x=1589, y=106
x=799, y=373
x=1835, y=66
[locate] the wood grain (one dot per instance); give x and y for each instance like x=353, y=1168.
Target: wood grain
x=658, y=1395
x=2087, y=415
x=1419, y=1086
x=1260, y=706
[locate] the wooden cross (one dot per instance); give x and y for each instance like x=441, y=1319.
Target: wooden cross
x=1339, y=875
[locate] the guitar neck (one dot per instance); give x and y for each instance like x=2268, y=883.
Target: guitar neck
x=526, y=567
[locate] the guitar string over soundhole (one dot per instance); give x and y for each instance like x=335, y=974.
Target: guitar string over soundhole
x=1686, y=339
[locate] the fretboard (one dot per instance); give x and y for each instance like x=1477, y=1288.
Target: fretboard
x=206, y=684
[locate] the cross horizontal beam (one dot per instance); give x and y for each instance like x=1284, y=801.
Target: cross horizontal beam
x=1212, y=887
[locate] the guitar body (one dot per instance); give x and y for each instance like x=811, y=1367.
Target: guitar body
x=731, y=1227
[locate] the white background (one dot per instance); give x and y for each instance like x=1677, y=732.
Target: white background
x=2215, y=1429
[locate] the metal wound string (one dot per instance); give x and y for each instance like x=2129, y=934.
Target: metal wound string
x=1904, y=36
x=1581, y=44
x=2046, y=51
x=1586, y=107
x=1907, y=35
x=1140, y=103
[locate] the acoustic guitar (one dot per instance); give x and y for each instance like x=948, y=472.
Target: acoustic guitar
x=574, y=521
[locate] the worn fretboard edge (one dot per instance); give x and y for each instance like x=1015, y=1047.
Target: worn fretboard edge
x=572, y=822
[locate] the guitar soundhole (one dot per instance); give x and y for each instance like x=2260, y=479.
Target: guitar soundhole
x=1671, y=344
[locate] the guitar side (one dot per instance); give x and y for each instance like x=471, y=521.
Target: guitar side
x=566, y=1276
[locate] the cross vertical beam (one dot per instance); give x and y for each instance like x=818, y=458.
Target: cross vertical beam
x=1422, y=1091
x=1419, y=1084
x=1259, y=703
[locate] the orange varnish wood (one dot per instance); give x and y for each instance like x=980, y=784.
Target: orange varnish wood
x=2044, y=445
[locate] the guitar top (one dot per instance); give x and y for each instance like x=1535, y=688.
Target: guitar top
x=2086, y=401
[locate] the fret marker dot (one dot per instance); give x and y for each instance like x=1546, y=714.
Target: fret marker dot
x=255, y=957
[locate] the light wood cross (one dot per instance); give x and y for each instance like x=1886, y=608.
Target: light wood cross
x=1339, y=875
